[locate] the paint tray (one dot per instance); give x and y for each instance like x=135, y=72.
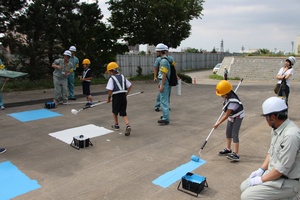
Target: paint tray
x=192, y=183
x=81, y=142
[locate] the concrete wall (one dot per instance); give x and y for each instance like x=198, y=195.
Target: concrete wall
x=256, y=68
x=185, y=61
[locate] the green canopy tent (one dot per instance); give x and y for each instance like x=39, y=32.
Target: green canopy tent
x=11, y=74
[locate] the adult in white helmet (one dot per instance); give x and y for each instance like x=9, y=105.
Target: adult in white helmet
x=278, y=176
x=2, y=83
x=164, y=88
x=156, y=65
x=283, y=77
x=75, y=64
x=62, y=68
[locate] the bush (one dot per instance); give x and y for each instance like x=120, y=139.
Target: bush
x=185, y=78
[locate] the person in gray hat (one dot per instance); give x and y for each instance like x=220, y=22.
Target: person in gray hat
x=278, y=176
x=62, y=68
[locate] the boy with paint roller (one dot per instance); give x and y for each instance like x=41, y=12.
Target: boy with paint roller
x=234, y=112
x=118, y=88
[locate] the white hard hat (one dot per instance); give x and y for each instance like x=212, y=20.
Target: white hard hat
x=273, y=105
x=160, y=47
x=72, y=48
x=166, y=48
x=67, y=53
x=292, y=59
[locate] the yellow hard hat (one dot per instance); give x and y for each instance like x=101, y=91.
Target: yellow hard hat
x=223, y=87
x=86, y=62
x=112, y=66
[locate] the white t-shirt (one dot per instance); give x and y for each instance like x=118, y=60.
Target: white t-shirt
x=289, y=71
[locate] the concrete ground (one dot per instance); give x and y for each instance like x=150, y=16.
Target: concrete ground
x=120, y=167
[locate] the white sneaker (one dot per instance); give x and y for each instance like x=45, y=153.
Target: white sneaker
x=2, y=108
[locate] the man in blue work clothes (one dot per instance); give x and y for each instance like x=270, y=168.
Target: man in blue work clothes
x=156, y=66
x=163, y=86
x=75, y=64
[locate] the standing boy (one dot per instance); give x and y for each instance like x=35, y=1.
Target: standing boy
x=235, y=114
x=118, y=88
x=86, y=81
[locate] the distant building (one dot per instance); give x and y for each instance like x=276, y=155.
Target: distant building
x=134, y=49
x=150, y=48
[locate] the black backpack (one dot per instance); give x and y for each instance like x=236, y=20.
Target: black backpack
x=173, y=75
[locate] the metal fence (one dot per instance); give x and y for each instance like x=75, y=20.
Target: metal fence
x=185, y=61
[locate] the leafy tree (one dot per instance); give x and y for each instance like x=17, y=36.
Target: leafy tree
x=154, y=21
x=48, y=27
x=8, y=11
x=214, y=50
x=192, y=50
x=263, y=51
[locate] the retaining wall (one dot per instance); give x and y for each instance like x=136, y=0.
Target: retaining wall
x=256, y=68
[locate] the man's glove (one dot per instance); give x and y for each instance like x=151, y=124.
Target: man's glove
x=256, y=173
x=255, y=181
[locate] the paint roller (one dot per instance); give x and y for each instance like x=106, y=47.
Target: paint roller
x=75, y=112
x=195, y=158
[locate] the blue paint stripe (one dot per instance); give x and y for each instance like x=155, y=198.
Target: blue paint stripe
x=34, y=115
x=171, y=177
x=13, y=182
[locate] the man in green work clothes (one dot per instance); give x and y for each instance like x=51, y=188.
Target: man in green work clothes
x=75, y=64
x=62, y=68
x=278, y=176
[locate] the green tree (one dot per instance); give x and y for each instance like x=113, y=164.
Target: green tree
x=152, y=21
x=9, y=10
x=48, y=27
x=192, y=50
x=263, y=51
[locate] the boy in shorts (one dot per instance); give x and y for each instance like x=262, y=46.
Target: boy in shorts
x=86, y=81
x=118, y=88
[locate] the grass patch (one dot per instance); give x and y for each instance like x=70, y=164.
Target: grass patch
x=218, y=77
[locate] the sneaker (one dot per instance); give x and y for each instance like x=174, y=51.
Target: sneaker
x=116, y=127
x=128, y=130
x=71, y=98
x=2, y=108
x=89, y=104
x=233, y=157
x=157, y=109
x=163, y=122
x=2, y=150
x=225, y=152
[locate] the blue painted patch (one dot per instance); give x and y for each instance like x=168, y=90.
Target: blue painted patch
x=171, y=177
x=13, y=182
x=34, y=115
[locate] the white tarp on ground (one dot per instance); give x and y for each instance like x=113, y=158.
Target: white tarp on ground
x=89, y=131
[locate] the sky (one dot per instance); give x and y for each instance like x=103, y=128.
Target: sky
x=252, y=24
